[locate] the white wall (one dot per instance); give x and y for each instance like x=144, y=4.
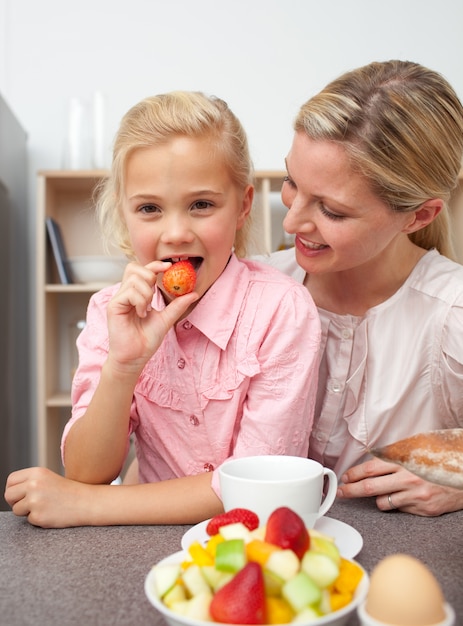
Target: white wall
x=265, y=57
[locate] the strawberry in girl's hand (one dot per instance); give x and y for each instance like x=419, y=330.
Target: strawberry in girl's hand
x=234, y=516
x=242, y=600
x=180, y=278
x=286, y=529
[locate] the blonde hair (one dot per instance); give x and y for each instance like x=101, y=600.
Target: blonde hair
x=402, y=126
x=154, y=121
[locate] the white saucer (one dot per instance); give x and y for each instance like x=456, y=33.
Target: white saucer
x=348, y=540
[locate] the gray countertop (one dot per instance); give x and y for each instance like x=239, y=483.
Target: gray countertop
x=94, y=576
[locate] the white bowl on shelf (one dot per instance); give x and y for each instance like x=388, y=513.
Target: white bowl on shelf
x=97, y=269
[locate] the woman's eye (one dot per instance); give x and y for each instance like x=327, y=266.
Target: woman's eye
x=289, y=181
x=329, y=214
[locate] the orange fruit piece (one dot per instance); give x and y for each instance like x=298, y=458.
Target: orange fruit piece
x=278, y=611
x=179, y=279
x=258, y=550
x=349, y=577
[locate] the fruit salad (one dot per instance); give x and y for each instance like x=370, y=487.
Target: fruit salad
x=250, y=574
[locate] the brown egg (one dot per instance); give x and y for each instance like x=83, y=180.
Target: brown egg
x=403, y=592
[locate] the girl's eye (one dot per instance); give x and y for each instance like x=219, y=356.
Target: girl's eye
x=201, y=205
x=148, y=208
x=331, y=216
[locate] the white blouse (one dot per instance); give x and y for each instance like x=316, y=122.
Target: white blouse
x=393, y=372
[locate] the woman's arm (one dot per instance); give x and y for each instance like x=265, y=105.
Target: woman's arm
x=51, y=501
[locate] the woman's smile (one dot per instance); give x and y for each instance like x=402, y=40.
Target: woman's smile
x=310, y=245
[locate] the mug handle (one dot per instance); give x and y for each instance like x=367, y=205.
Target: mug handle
x=331, y=493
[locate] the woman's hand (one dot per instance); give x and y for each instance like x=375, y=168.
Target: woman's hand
x=135, y=329
x=396, y=488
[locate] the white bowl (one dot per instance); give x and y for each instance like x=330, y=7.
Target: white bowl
x=97, y=269
x=337, y=618
x=366, y=620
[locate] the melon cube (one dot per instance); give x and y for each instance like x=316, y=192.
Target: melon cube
x=194, y=581
x=300, y=591
x=283, y=563
x=165, y=577
x=320, y=568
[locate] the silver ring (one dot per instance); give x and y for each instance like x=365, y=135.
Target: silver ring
x=391, y=504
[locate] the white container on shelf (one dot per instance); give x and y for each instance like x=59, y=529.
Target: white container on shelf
x=97, y=269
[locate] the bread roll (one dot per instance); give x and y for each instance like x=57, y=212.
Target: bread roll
x=436, y=456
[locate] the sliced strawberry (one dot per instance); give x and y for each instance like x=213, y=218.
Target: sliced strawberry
x=245, y=516
x=242, y=600
x=285, y=528
x=180, y=278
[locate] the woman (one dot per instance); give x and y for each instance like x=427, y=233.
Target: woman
x=373, y=162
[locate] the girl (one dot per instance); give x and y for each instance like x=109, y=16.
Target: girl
x=227, y=370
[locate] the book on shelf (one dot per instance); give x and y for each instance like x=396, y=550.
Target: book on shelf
x=59, y=252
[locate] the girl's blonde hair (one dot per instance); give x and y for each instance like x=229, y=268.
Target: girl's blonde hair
x=155, y=121
x=402, y=126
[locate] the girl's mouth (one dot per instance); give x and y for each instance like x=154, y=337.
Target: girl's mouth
x=194, y=260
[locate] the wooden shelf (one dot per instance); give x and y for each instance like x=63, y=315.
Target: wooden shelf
x=59, y=400
x=76, y=288
x=456, y=211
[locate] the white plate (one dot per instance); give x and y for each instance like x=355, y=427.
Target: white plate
x=348, y=540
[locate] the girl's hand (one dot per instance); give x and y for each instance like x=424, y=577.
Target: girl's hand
x=396, y=488
x=135, y=329
x=47, y=499
x=50, y=501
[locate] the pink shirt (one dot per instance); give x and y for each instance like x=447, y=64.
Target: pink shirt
x=393, y=372
x=237, y=377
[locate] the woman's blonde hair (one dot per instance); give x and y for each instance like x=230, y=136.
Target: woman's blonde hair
x=402, y=126
x=156, y=120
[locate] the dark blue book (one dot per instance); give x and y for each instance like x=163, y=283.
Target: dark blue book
x=57, y=245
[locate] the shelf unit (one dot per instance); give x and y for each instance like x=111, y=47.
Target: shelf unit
x=67, y=196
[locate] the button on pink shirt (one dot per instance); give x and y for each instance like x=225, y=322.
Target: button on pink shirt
x=393, y=372
x=237, y=377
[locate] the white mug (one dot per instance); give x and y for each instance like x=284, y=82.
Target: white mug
x=265, y=483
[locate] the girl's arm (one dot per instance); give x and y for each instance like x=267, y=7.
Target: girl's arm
x=279, y=408
x=96, y=444
x=51, y=501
